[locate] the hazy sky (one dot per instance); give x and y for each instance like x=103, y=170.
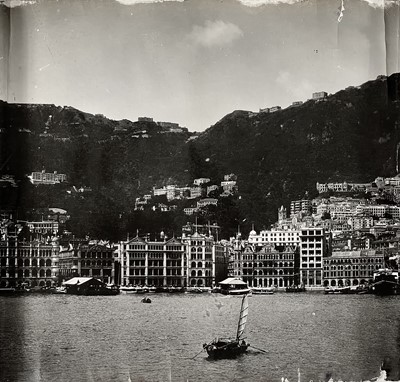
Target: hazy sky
x=192, y=61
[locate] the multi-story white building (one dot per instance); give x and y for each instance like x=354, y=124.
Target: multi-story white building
x=159, y=191
x=44, y=227
x=207, y=202
x=229, y=185
x=44, y=177
x=288, y=237
x=195, y=260
x=200, y=181
x=297, y=206
x=319, y=95
x=195, y=192
x=312, y=247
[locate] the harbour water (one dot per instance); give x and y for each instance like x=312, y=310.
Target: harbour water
x=117, y=338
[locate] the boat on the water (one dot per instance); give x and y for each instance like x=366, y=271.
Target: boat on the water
x=7, y=291
x=337, y=290
x=231, y=347
x=59, y=290
x=89, y=286
x=385, y=282
x=146, y=300
x=127, y=289
x=295, y=289
x=234, y=285
x=262, y=290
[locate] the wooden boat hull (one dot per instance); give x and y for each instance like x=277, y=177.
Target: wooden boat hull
x=225, y=349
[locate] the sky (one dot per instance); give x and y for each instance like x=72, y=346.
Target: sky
x=191, y=61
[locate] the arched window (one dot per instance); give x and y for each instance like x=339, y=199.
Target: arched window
x=200, y=264
x=41, y=273
x=26, y=262
x=200, y=273
x=193, y=265
x=193, y=274
x=83, y=263
x=41, y=263
x=48, y=263
x=34, y=273
x=34, y=263
x=26, y=273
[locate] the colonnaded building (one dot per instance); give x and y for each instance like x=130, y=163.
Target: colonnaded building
x=194, y=260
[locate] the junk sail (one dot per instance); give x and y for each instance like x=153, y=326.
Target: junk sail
x=242, y=318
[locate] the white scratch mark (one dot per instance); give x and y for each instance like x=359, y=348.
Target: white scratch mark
x=341, y=9
x=44, y=67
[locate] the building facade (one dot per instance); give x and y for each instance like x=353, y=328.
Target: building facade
x=351, y=268
x=312, y=249
x=195, y=260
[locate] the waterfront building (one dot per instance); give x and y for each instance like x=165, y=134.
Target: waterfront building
x=271, y=266
x=195, y=260
x=264, y=265
x=207, y=260
x=159, y=264
x=351, y=268
x=97, y=261
x=33, y=263
x=312, y=249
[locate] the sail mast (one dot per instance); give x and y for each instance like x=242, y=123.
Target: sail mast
x=242, y=317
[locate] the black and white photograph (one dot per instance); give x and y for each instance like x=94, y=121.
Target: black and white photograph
x=199, y=190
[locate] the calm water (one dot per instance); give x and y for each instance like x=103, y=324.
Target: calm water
x=117, y=338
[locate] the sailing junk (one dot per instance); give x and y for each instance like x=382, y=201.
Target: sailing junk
x=228, y=347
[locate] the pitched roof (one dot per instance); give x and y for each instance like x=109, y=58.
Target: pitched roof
x=79, y=280
x=174, y=241
x=137, y=239
x=232, y=281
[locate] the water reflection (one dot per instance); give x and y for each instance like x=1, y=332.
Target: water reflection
x=79, y=338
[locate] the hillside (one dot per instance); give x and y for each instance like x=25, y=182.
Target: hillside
x=351, y=135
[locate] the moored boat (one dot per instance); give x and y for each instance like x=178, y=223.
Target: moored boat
x=234, y=286
x=385, y=282
x=337, y=290
x=231, y=347
x=127, y=289
x=262, y=290
x=89, y=286
x=295, y=289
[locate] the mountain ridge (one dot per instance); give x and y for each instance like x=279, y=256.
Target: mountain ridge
x=351, y=135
